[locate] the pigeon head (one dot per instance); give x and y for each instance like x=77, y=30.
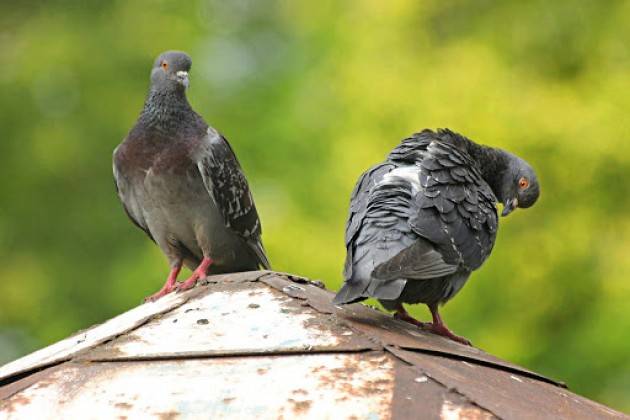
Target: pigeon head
x=170, y=72
x=519, y=185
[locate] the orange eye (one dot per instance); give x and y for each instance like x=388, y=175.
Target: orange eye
x=164, y=65
x=523, y=183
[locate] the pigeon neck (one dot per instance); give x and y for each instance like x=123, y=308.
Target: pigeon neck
x=166, y=111
x=493, y=164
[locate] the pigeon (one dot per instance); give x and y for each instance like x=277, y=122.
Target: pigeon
x=179, y=181
x=424, y=219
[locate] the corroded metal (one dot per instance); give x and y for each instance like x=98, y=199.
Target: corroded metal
x=506, y=394
x=65, y=349
x=230, y=319
x=271, y=345
x=306, y=386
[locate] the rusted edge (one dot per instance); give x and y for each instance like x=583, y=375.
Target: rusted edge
x=481, y=362
x=348, y=340
x=248, y=276
x=20, y=384
x=505, y=394
x=411, y=382
x=36, y=367
x=240, y=277
x=221, y=355
x=320, y=300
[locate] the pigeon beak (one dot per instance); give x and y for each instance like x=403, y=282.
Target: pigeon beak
x=182, y=78
x=509, y=206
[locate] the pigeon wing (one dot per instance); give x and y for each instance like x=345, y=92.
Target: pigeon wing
x=226, y=183
x=455, y=209
x=359, y=201
x=126, y=196
x=419, y=261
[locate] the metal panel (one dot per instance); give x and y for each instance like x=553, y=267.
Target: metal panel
x=388, y=330
x=266, y=345
x=65, y=349
x=233, y=319
x=417, y=396
x=506, y=394
x=305, y=386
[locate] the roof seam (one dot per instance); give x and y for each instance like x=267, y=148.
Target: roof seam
x=189, y=356
x=383, y=344
x=446, y=355
x=451, y=389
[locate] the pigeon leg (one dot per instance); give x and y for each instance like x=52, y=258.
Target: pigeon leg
x=199, y=273
x=438, y=327
x=169, y=286
x=403, y=315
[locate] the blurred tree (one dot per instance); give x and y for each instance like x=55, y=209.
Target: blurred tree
x=310, y=94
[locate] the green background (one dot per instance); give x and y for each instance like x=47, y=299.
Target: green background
x=310, y=94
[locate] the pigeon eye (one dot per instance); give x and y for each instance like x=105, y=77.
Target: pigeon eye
x=164, y=65
x=523, y=183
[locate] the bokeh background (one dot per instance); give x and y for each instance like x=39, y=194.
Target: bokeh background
x=310, y=94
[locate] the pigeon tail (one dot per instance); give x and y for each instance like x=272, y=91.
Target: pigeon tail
x=350, y=293
x=261, y=255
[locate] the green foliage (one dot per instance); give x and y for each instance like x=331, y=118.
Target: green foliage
x=310, y=94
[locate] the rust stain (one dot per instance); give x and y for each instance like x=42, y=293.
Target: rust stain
x=300, y=391
x=168, y=415
x=43, y=384
x=300, y=407
x=262, y=371
x=461, y=383
x=451, y=411
x=14, y=402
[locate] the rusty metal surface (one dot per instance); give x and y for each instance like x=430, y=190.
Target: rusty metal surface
x=272, y=345
x=305, y=386
x=417, y=396
x=65, y=349
x=392, y=332
x=505, y=394
x=230, y=319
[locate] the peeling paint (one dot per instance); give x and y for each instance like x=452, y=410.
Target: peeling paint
x=217, y=388
x=64, y=349
x=259, y=345
x=224, y=323
x=451, y=411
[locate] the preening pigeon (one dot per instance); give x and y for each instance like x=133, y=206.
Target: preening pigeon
x=424, y=219
x=180, y=182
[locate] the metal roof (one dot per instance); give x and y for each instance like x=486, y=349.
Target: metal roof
x=271, y=345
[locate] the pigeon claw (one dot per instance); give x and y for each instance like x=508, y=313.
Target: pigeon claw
x=199, y=273
x=162, y=292
x=441, y=329
x=402, y=315
x=168, y=287
x=188, y=284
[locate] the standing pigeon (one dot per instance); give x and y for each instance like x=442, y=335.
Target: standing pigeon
x=424, y=219
x=180, y=182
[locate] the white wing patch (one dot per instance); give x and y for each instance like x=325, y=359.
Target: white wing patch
x=410, y=173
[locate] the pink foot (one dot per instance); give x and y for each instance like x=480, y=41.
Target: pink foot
x=199, y=273
x=438, y=327
x=168, y=287
x=403, y=315
x=442, y=330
